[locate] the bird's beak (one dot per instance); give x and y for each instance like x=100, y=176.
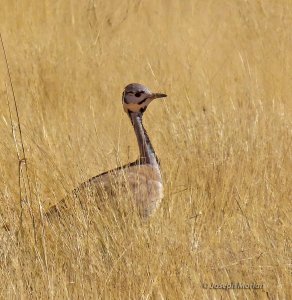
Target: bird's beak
x=158, y=95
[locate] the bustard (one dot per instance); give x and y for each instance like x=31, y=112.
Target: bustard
x=142, y=178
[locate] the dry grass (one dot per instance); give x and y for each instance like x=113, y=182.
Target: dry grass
x=223, y=136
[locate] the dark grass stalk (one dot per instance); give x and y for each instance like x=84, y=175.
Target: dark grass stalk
x=23, y=176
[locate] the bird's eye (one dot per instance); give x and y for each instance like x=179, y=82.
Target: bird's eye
x=138, y=94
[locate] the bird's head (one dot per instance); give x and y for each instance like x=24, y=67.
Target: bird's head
x=136, y=98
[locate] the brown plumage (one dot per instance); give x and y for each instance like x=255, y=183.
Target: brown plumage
x=140, y=180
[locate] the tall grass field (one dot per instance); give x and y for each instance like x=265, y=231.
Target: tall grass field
x=223, y=137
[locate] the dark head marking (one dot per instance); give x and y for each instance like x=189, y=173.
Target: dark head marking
x=138, y=94
x=143, y=109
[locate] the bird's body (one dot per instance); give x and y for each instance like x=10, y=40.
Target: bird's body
x=141, y=179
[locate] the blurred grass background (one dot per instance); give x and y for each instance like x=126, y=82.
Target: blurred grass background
x=223, y=136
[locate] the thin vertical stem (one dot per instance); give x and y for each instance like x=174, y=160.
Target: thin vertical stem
x=23, y=177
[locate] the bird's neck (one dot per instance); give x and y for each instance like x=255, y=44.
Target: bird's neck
x=147, y=154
